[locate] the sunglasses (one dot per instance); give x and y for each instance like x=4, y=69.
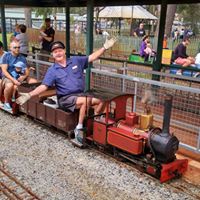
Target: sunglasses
x=16, y=47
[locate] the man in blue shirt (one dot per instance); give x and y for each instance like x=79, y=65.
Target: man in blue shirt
x=8, y=65
x=67, y=76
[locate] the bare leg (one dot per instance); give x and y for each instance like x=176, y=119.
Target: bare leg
x=82, y=103
x=98, y=105
x=8, y=92
x=14, y=91
x=187, y=63
x=31, y=80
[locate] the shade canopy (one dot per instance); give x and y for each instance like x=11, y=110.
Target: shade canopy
x=136, y=12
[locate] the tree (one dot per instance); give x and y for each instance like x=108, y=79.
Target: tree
x=97, y=10
x=190, y=15
x=171, y=10
x=28, y=21
x=45, y=12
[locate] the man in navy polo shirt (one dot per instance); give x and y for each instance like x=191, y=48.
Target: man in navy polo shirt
x=8, y=65
x=67, y=76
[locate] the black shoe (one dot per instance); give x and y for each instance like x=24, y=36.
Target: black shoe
x=50, y=101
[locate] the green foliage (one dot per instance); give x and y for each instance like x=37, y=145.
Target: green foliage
x=78, y=10
x=45, y=12
x=190, y=14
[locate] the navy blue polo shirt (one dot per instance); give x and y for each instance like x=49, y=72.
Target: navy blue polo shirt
x=69, y=79
x=10, y=60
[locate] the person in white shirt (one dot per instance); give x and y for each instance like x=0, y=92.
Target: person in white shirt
x=197, y=60
x=23, y=40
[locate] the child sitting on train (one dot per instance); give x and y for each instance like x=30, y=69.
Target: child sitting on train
x=149, y=49
x=16, y=73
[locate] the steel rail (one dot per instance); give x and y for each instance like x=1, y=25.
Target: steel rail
x=13, y=186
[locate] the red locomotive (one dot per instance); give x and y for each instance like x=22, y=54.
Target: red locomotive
x=133, y=137
x=122, y=133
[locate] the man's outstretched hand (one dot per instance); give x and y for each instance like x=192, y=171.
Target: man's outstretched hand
x=109, y=42
x=24, y=97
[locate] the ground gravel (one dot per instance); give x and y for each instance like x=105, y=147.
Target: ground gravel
x=55, y=170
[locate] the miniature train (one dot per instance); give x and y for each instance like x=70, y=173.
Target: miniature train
x=126, y=135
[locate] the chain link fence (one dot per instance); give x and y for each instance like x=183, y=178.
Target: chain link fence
x=135, y=79
x=185, y=117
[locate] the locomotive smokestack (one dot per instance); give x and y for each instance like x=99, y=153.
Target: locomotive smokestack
x=167, y=115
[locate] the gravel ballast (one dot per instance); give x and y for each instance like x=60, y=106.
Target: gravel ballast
x=56, y=170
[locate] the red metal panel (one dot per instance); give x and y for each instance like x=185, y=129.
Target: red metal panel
x=173, y=169
x=50, y=116
x=41, y=111
x=132, y=119
x=99, y=132
x=120, y=139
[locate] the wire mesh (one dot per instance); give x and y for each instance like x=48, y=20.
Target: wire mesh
x=185, y=116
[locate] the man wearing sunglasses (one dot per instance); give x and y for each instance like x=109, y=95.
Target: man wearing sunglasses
x=8, y=66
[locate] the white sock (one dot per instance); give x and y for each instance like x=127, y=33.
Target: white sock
x=79, y=126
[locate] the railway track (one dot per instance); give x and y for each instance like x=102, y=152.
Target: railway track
x=11, y=188
x=179, y=186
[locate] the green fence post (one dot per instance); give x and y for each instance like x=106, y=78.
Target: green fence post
x=3, y=27
x=157, y=65
x=89, y=39
x=67, y=13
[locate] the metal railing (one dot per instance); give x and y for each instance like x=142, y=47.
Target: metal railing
x=135, y=79
x=185, y=118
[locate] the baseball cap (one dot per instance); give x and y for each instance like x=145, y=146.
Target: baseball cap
x=57, y=45
x=20, y=64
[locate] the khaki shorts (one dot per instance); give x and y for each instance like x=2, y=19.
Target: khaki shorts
x=5, y=81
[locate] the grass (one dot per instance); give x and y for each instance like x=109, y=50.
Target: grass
x=8, y=37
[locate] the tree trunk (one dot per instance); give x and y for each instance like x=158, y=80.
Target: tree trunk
x=158, y=22
x=28, y=21
x=55, y=18
x=171, y=10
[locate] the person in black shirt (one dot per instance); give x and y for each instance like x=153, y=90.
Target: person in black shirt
x=47, y=39
x=140, y=32
x=180, y=55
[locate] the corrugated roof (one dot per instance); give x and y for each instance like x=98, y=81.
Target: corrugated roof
x=136, y=12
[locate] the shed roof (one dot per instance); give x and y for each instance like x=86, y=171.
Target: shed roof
x=136, y=12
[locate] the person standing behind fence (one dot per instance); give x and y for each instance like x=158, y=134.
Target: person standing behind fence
x=47, y=39
x=140, y=32
x=23, y=40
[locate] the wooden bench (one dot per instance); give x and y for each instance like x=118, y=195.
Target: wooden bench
x=135, y=57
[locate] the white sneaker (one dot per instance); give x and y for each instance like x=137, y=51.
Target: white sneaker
x=7, y=107
x=178, y=73
x=1, y=104
x=79, y=135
